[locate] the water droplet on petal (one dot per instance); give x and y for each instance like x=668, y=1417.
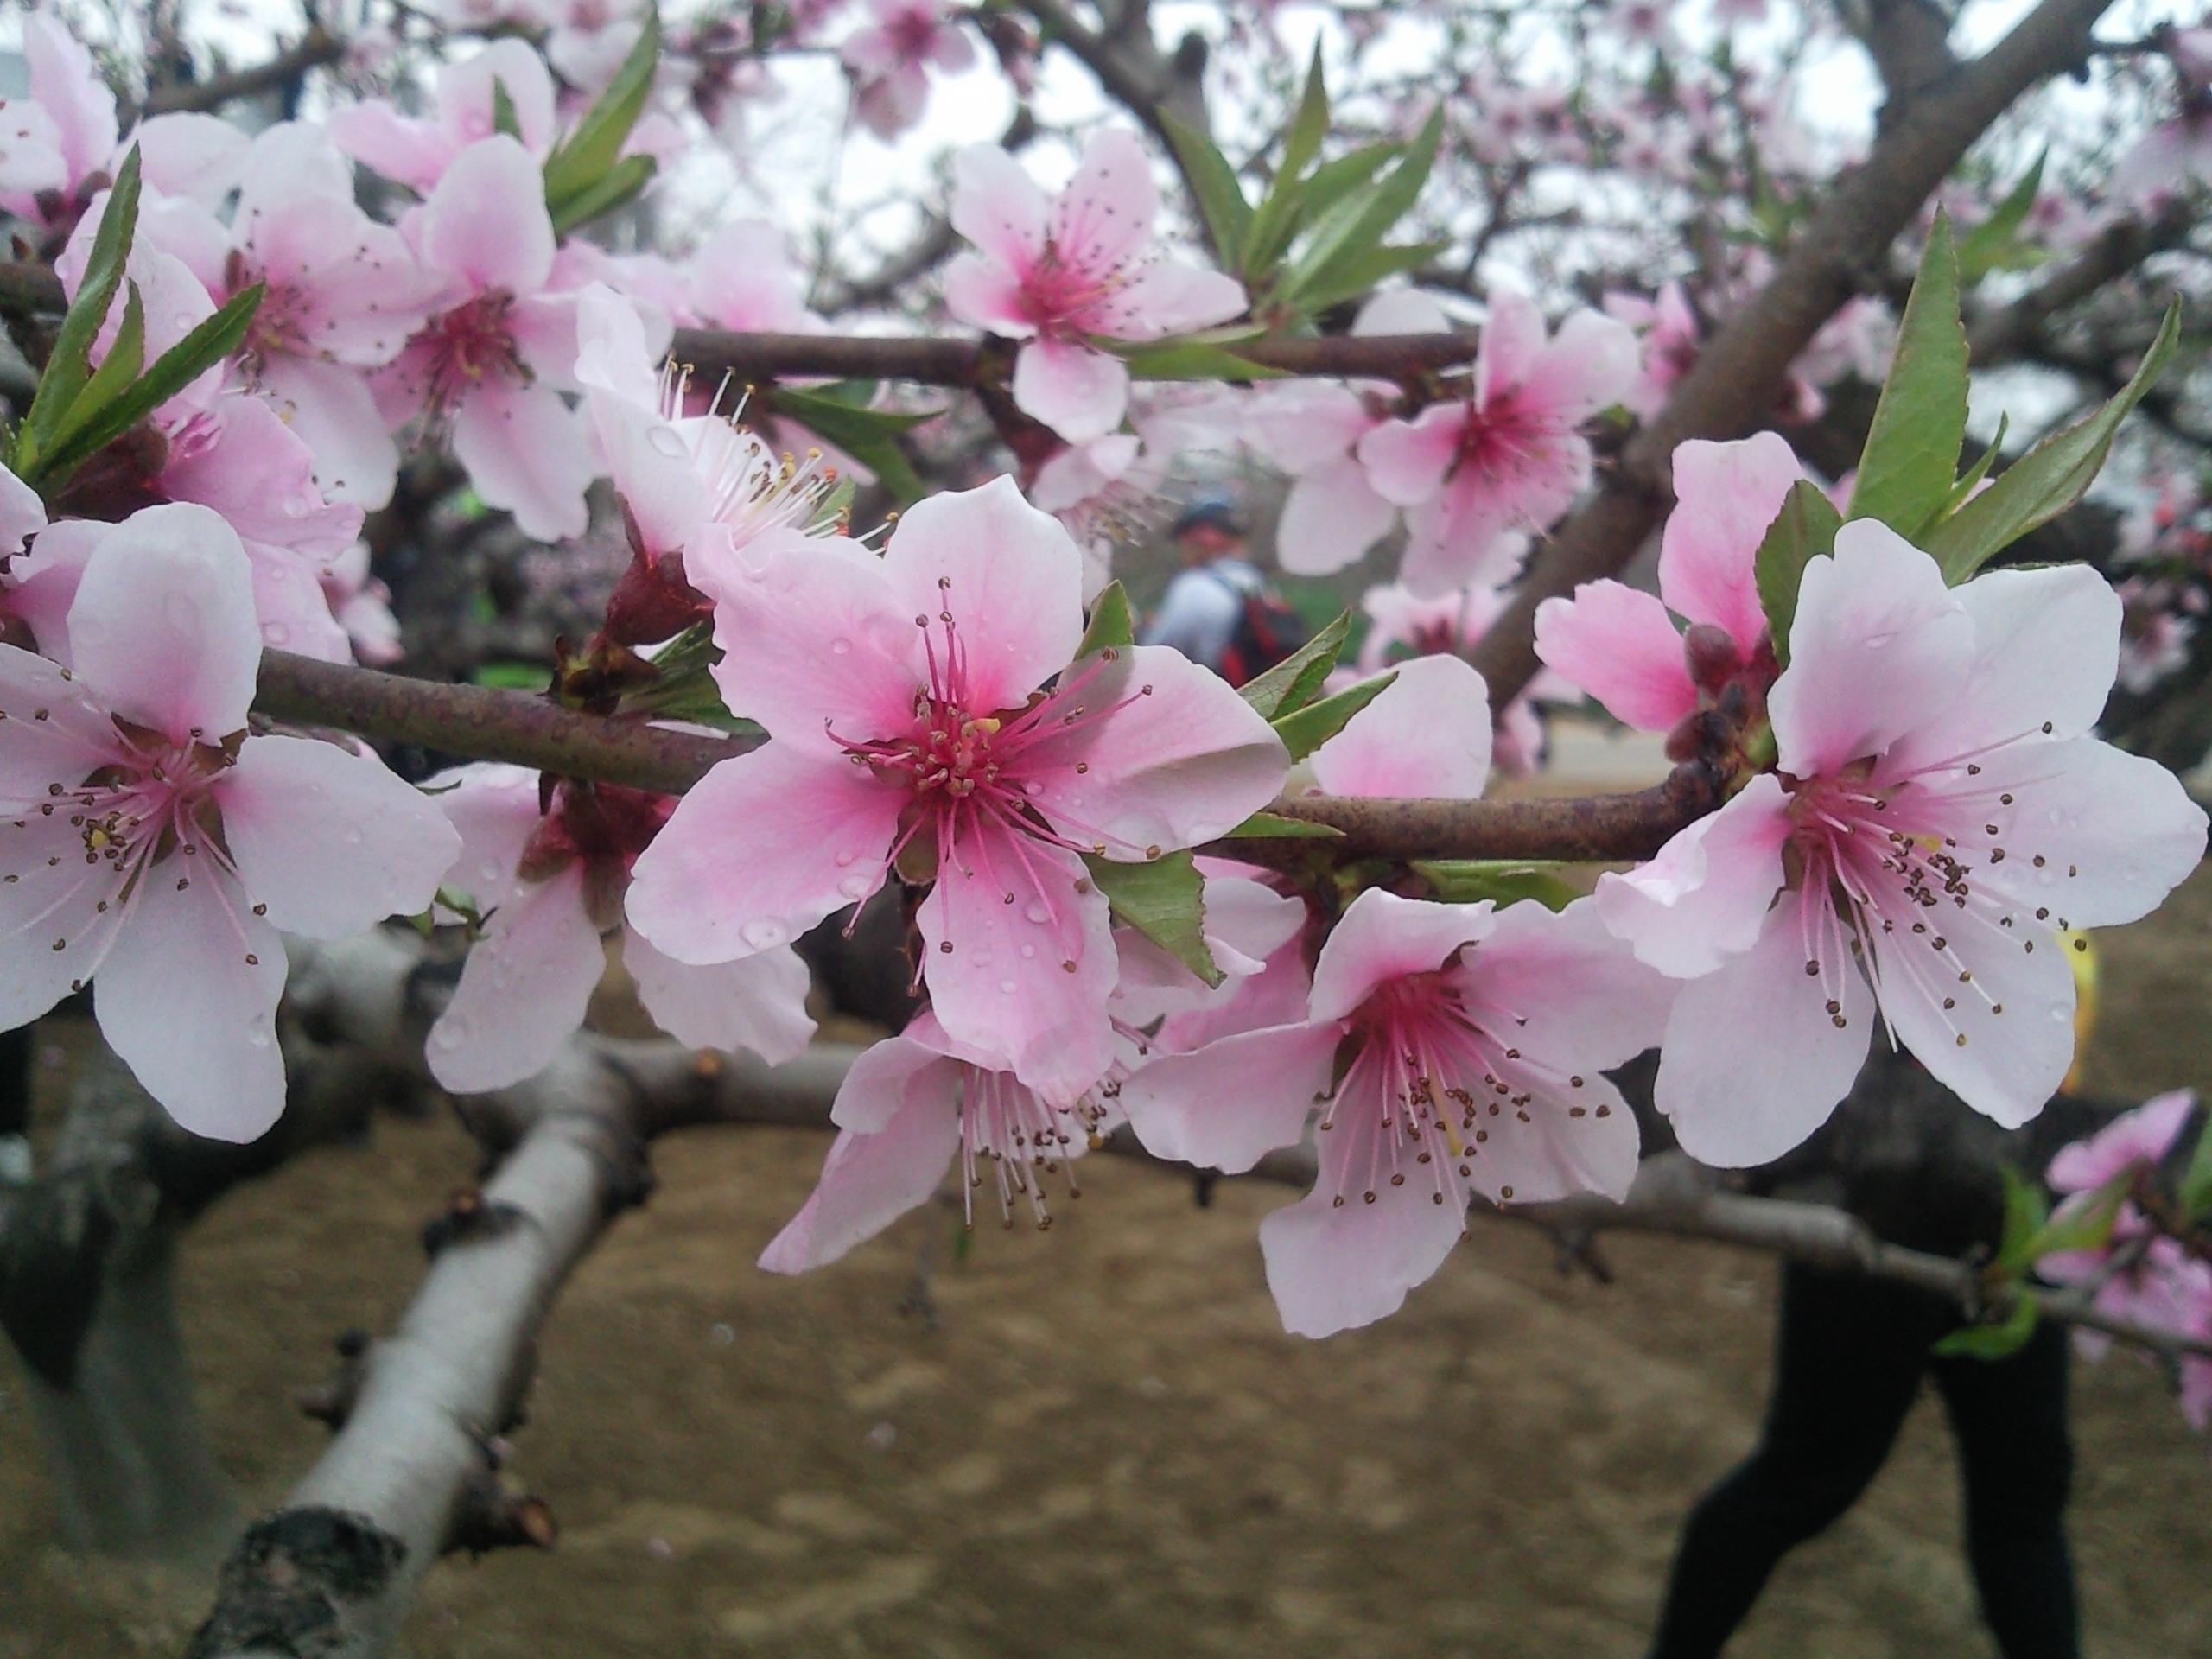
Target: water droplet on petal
x=762, y=935
x=1038, y=913
x=840, y=647
x=665, y=440
x=1008, y=986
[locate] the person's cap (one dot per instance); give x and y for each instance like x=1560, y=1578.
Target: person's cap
x=1217, y=512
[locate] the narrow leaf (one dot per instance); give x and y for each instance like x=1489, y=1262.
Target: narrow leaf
x=1993, y=244
x=1111, y=627
x=68, y=365
x=2086, y=1226
x=1970, y=480
x=1189, y=360
x=1306, y=730
x=1912, y=449
x=1805, y=529
x=1213, y=181
x=1274, y=826
x=2025, y=1213
x=1999, y=1341
x=869, y=435
x=1504, y=882
x=1163, y=900
x=615, y=188
x=1284, y=206
x=1333, y=181
x=504, y=118
x=2050, y=478
x=117, y=371
x=581, y=162
x=1291, y=683
x=1357, y=274
x=2196, y=1180
x=1360, y=221
x=178, y=367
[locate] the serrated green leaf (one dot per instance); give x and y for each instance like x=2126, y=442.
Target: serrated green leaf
x=1291, y=683
x=580, y=164
x=1994, y=244
x=1110, y=626
x=1504, y=882
x=616, y=186
x=1306, y=730
x=1999, y=1341
x=2050, y=478
x=2196, y=1180
x=1164, y=901
x=1228, y=216
x=1274, y=826
x=208, y=344
x=1803, y=530
x=68, y=365
x=504, y=118
x=869, y=435
x=1284, y=206
x=1912, y=449
x=1360, y=221
x=1351, y=277
x=1191, y=359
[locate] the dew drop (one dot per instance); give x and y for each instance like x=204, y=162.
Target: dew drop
x=840, y=647
x=665, y=440
x=1037, y=913
x=762, y=936
x=1007, y=986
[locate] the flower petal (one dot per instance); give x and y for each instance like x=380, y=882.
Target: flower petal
x=1011, y=577
x=1330, y=517
x=1428, y=733
x=756, y=1002
x=762, y=848
x=1727, y=497
x=523, y=990
x=525, y=451
x=869, y=1180
x=1336, y=1261
x=1706, y=896
x=1226, y=1105
x=1080, y=393
x=1380, y=936
x=998, y=206
x=1406, y=460
x=1617, y=643
x=1105, y=214
x=187, y=998
x=329, y=840
x=486, y=221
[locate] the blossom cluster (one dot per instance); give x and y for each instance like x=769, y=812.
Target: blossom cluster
x=1919, y=820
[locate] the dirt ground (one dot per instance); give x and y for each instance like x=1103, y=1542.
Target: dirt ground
x=1104, y=1444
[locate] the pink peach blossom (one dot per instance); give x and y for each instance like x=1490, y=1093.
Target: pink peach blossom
x=925, y=714
x=1458, y=1049
x=415, y=152
x=1618, y=643
x=890, y=61
x=551, y=884
x=1507, y=456
x=160, y=845
x=1940, y=821
x=1056, y=274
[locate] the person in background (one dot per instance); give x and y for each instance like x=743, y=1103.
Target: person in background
x=1220, y=609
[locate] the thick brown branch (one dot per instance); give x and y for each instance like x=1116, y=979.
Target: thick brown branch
x=485, y=724
x=1738, y=372
x=751, y=358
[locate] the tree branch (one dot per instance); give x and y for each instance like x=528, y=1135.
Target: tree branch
x=486, y=724
x=316, y=48
x=1738, y=374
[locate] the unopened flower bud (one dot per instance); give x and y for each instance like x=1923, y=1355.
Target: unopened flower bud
x=1710, y=656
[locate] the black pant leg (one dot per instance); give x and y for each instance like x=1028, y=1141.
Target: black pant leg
x=2016, y=1461
x=1849, y=1354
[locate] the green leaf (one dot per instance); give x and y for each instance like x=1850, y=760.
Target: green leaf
x=207, y=344
x=1355, y=275
x=511, y=676
x=1111, y=627
x=1804, y=530
x=117, y=370
x=1284, y=205
x=2086, y=1226
x=2025, y=1213
x=1999, y=1341
x=1465, y=880
x=615, y=189
x=581, y=164
x=2050, y=478
x=68, y=365
x=1274, y=826
x=1358, y=223
x=1306, y=730
x=1192, y=359
x=504, y=118
x=2196, y=1180
x=1333, y=181
x=1912, y=449
x=1221, y=200
x=1291, y=683
x=869, y=435
x=1163, y=900
x=1994, y=244
x=1970, y=480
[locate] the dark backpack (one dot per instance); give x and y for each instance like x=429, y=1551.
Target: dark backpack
x=1268, y=629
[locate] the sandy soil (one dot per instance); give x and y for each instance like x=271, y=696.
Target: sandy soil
x=1103, y=1444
